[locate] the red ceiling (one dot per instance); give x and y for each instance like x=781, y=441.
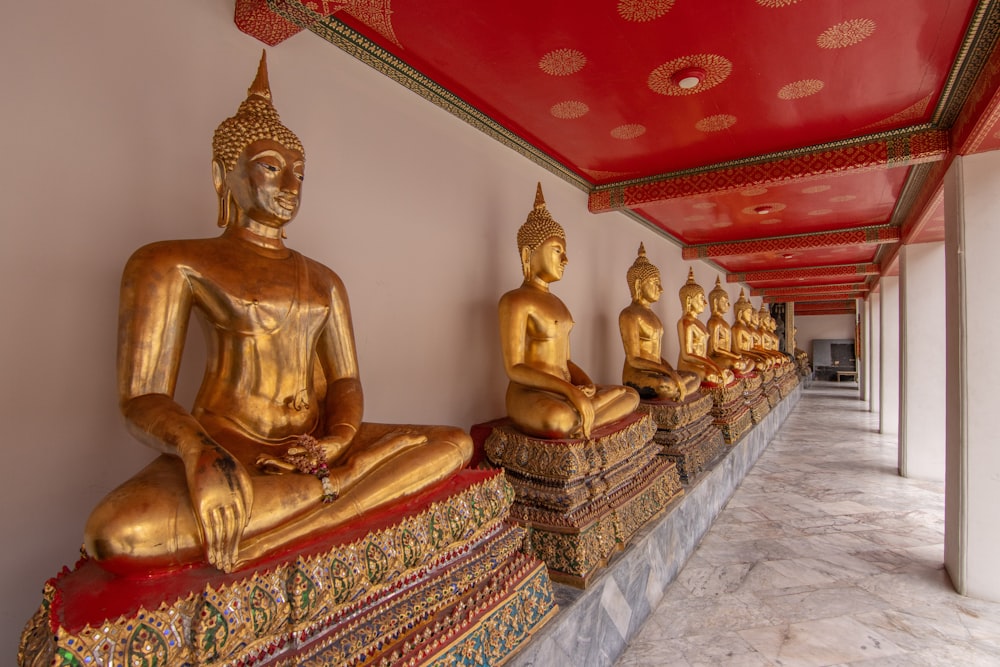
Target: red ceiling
x=811, y=117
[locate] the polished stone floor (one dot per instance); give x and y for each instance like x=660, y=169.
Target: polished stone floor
x=823, y=556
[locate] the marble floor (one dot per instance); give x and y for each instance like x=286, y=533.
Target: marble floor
x=823, y=556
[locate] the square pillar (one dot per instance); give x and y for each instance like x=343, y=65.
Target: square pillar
x=863, y=353
x=874, y=347
x=888, y=422
x=972, y=476
x=922, y=368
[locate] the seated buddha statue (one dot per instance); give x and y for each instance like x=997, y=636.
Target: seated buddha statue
x=274, y=448
x=720, y=334
x=763, y=338
x=743, y=334
x=549, y=396
x=693, y=335
x=642, y=332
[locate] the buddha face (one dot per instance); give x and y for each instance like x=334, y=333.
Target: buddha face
x=266, y=182
x=696, y=302
x=548, y=261
x=721, y=304
x=650, y=289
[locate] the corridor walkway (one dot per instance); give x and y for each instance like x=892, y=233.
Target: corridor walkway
x=824, y=556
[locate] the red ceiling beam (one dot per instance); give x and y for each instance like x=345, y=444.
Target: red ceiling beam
x=825, y=308
x=846, y=294
x=805, y=290
x=257, y=19
x=981, y=111
x=827, y=311
x=893, y=151
x=809, y=272
x=858, y=236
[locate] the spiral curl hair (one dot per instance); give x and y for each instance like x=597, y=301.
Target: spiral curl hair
x=718, y=291
x=689, y=289
x=539, y=227
x=641, y=269
x=742, y=303
x=255, y=119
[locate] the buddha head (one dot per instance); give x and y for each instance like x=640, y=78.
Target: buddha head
x=257, y=162
x=743, y=309
x=692, y=295
x=644, y=279
x=541, y=242
x=718, y=298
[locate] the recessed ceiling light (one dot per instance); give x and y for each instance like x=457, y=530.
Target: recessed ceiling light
x=763, y=209
x=688, y=78
x=788, y=255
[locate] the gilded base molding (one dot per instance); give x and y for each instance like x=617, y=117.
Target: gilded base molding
x=575, y=553
x=566, y=459
x=759, y=407
x=352, y=601
x=692, y=448
x=773, y=393
x=673, y=415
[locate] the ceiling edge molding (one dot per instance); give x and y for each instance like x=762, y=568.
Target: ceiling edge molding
x=913, y=146
x=877, y=235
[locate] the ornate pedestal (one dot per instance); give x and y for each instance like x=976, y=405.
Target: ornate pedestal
x=770, y=387
x=730, y=411
x=437, y=578
x=753, y=396
x=788, y=380
x=581, y=500
x=686, y=432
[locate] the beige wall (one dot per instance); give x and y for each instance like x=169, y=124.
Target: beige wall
x=109, y=109
x=812, y=327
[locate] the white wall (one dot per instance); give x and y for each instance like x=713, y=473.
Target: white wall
x=818, y=327
x=110, y=108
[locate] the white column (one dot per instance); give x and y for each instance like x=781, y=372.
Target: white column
x=922, y=369
x=875, y=348
x=972, y=481
x=863, y=352
x=889, y=355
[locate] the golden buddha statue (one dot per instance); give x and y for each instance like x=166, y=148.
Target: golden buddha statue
x=743, y=334
x=768, y=343
x=548, y=395
x=693, y=335
x=720, y=334
x=274, y=449
x=642, y=332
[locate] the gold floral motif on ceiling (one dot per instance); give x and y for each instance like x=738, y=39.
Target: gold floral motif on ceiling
x=813, y=189
x=776, y=3
x=715, y=123
x=376, y=14
x=847, y=33
x=630, y=131
x=717, y=69
x=799, y=89
x=842, y=198
x=562, y=62
x=753, y=192
x=821, y=211
x=569, y=109
x=641, y=11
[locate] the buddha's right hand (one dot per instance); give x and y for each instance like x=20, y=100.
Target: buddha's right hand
x=585, y=407
x=222, y=496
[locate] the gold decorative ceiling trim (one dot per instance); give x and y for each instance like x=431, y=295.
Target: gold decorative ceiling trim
x=847, y=294
x=802, y=290
x=888, y=150
x=831, y=271
x=878, y=235
x=974, y=53
x=359, y=47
